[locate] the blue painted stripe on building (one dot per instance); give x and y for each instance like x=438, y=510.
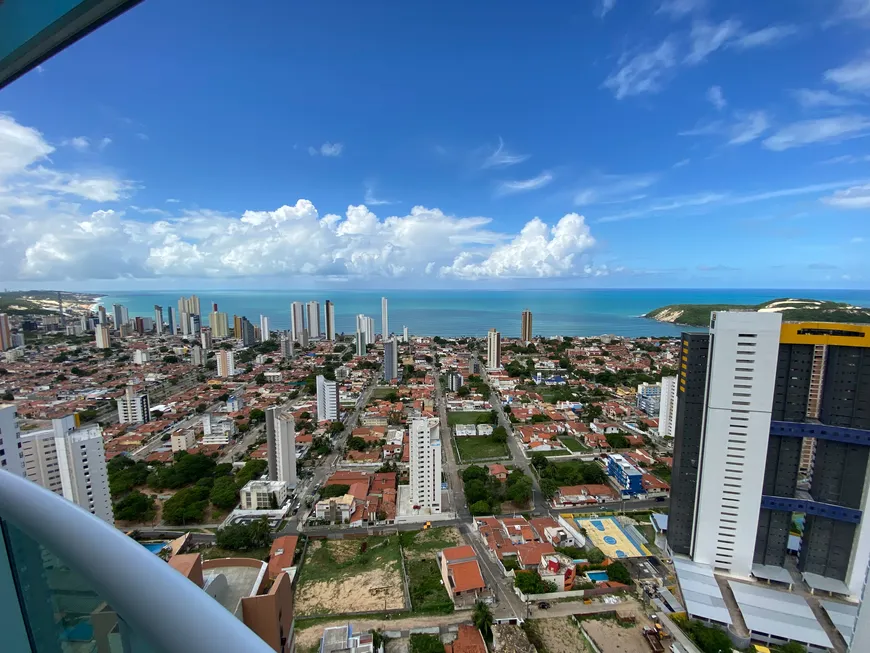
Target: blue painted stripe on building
x=816, y=508
x=821, y=431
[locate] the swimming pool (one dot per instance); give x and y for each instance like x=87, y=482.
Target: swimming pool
x=154, y=547
x=597, y=576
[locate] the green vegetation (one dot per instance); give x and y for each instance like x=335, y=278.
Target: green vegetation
x=376, y=552
x=334, y=491
x=480, y=448
x=573, y=444
x=797, y=310
x=421, y=643
x=662, y=471
x=483, y=620
x=245, y=537
x=571, y=472
x=186, y=506
x=617, y=440
x=485, y=493
x=135, y=507
x=421, y=544
x=425, y=586
x=385, y=392
x=617, y=572
x=471, y=417
x=530, y=582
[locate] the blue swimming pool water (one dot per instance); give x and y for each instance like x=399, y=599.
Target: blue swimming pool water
x=597, y=576
x=154, y=547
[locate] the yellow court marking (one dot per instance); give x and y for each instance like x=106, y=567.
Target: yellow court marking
x=607, y=535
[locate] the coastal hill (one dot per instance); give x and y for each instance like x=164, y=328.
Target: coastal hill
x=44, y=302
x=794, y=310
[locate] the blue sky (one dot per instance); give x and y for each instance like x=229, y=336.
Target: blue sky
x=670, y=143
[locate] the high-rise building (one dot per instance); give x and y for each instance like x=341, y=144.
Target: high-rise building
x=328, y=407
x=360, y=343
x=668, y=406
x=71, y=462
x=526, y=335
x=237, y=327
x=195, y=324
x=102, y=337
x=158, y=319
x=265, y=333
x=297, y=320
x=134, y=407
x=218, y=323
x=759, y=388
x=313, y=319
x=648, y=398
x=329, y=311
x=285, y=448
x=184, y=318
x=385, y=319
x=101, y=315
x=493, y=350
x=366, y=326
x=271, y=455
x=287, y=345
x=119, y=314
x=189, y=305
x=391, y=359
x=11, y=458
x=5, y=333
x=249, y=337
x=173, y=325
x=226, y=363
x=205, y=338
x=405, y=335
x=196, y=356
x=454, y=381
x=425, y=465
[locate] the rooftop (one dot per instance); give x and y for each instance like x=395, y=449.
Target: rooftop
x=781, y=614
x=243, y=579
x=701, y=592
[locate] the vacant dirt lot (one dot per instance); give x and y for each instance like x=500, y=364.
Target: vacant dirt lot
x=560, y=635
x=379, y=589
x=613, y=638
x=340, y=577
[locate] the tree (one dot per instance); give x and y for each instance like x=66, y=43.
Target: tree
x=480, y=508
x=260, y=379
x=520, y=492
x=223, y=493
x=595, y=556
x=170, y=359
x=549, y=487
x=135, y=507
x=539, y=461
x=357, y=443
x=244, y=537
x=709, y=639
x=475, y=472
x=8, y=396
x=254, y=468
x=334, y=491
x=186, y=506
x=618, y=572
x=423, y=643
x=463, y=391
x=617, y=440
x=499, y=435
x=482, y=618
x=791, y=647
x=530, y=582
x=201, y=408
x=257, y=415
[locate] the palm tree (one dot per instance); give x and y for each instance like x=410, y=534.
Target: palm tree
x=482, y=619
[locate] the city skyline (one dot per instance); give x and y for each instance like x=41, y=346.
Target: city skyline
x=691, y=134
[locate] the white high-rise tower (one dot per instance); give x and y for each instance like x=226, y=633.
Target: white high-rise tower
x=313, y=319
x=297, y=321
x=425, y=464
x=385, y=320
x=327, y=400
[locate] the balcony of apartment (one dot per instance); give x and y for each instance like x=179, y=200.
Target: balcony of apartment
x=70, y=583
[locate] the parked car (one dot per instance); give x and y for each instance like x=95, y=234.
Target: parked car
x=543, y=605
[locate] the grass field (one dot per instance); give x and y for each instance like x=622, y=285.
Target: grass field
x=425, y=544
x=468, y=417
x=573, y=444
x=382, y=392
x=479, y=448
x=426, y=587
x=339, y=577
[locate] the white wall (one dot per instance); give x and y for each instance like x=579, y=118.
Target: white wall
x=736, y=429
x=10, y=459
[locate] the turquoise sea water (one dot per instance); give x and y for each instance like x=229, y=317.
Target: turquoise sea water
x=473, y=313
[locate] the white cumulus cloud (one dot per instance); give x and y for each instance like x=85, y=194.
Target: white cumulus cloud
x=537, y=251
x=327, y=149
x=857, y=197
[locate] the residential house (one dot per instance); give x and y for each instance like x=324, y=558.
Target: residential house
x=460, y=572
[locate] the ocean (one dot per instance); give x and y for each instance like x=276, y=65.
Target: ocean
x=472, y=313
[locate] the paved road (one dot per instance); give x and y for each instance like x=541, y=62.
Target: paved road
x=451, y=467
x=328, y=464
